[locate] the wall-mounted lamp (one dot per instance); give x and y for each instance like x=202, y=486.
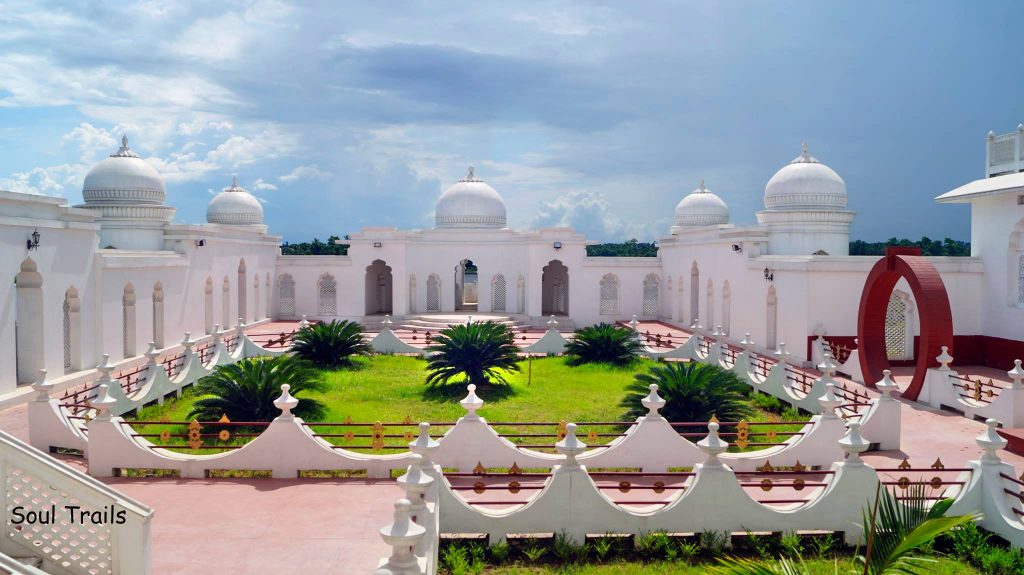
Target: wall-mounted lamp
x=200, y=243
x=33, y=241
x=557, y=245
x=737, y=248
x=769, y=275
x=377, y=244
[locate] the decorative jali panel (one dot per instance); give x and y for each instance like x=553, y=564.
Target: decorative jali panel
x=286, y=305
x=79, y=548
x=1020, y=281
x=327, y=295
x=650, y=307
x=609, y=294
x=499, y=293
x=433, y=293
x=896, y=328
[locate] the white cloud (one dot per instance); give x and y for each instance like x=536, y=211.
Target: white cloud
x=259, y=184
x=306, y=173
x=243, y=150
x=35, y=181
x=225, y=37
x=91, y=141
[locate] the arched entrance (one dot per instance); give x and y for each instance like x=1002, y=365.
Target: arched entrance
x=467, y=292
x=28, y=326
x=554, y=289
x=935, y=317
x=378, y=288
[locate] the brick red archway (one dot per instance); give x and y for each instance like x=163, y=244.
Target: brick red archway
x=936, y=319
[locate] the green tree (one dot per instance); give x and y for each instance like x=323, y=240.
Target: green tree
x=603, y=343
x=479, y=352
x=246, y=390
x=692, y=391
x=330, y=345
x=629, y=248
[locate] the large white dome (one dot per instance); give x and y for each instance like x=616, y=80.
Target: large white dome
x=234, y=206
x=470, y=203
x=123, y=178
x=805, y=184
x=701, y=208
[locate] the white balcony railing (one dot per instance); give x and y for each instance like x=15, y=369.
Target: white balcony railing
x=1005, y=153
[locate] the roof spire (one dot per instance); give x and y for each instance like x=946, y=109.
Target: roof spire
x=702, y=188
x=234, y=181
x=471, y=176
x=124, y=151
x=805, y=156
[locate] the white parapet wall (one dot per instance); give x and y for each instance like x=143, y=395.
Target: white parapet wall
x=114, y=528
x=946, y=388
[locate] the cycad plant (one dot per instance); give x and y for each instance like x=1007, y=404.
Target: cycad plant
x=692, y=392
x=332, y=344
x=245, y=391
x=603, y=343
x=478, y=352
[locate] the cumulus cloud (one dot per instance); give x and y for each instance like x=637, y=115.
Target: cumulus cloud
x=588, y=212
x=260, y=184
x=305, y=173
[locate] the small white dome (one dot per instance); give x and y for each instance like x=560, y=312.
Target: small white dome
x=234, y=206
x=470, y=203
x=701, y=208
x=123, y=178
x=805, y=184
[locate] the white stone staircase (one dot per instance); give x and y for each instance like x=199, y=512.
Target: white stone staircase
x=441, y=321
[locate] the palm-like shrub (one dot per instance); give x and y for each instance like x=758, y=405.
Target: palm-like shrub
x=245, y=391
x=479, y=352
x=330, y=345
x=692, y=392
x=603, y=343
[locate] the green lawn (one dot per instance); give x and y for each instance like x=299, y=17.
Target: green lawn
x=391, y=389
x=817, y=567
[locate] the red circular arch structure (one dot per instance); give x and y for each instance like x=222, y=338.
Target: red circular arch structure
x=936, y=319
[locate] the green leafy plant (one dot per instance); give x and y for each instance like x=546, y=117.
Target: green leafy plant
x=477, y=558
x=742, y=566
x=969, y=541
x=330, y=345
x=791, y=544
x=767, y=402
x=714, y=541
x=455, y=559
x=895, y=531
x=603, y=343
x=566, y=550
x=688, y=550
x=692, y=392
x=533, y=550
x=760, y=545
x=1000, y=561
x=478, y=352
x=500, y=552
x=603, y=547
x=246, y=390
x=823, y=545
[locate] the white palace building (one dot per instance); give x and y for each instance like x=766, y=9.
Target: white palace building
x=113, y=274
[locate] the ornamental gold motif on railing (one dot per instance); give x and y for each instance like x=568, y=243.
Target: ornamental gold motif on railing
x=377, y=436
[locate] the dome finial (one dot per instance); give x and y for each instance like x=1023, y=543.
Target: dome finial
x=234, y=181
x=124, y=151
x=471, y=176
x=702, y=188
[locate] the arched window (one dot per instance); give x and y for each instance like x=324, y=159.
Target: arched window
x=709, y=304
x=208, y=305
x=609, y=295
x=158, y=315
x=498, y=293
x=225, y=304
x=652, y=288
x=771, y=333
x=269, y=296
x=326, y=295
x=521, y=291
x=128, y=320
x=28, y=327
x=72, y=331
x=726, y=306
x=694, y=292
x=412, y=293
x=286, y=296
x=434, y=293
x=242, y=301
x=256, y=297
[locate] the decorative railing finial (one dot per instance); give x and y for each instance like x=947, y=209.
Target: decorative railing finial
x=471, y=402
x=991, y=442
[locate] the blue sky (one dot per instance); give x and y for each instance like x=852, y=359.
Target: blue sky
x=339, y=115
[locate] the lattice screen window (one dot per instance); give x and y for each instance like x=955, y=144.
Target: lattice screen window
x=327, y=295
x=650, y=307
x=433, y=293
x=609, y=295
x=499, y=293
x=67, y=333
x=1020, y=281
x=81, y=548
x=286, y=295
x=1001, y=151
x=896, y=327
x=558, y=296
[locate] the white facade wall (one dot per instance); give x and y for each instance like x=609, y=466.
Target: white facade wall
x=997, y=238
